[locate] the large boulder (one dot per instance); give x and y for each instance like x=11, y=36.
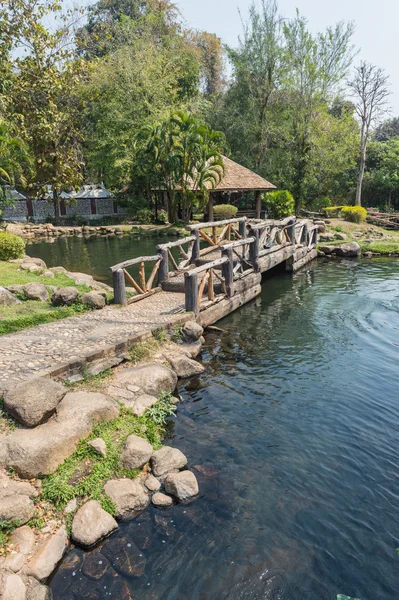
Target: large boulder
x=7, y=299
x=184, y=366
x=15, y=500
x=326, y=237
x=40, y=451
x=37, y=591
x=47, y=556
x=34, y=401
x=136, y=453
x=64, y=296
x=91, y=524
x=94, y=300
x=328, y=249
x=36, y=261
x=128, y=496
x=151, y=379
x=16, y=508
x=191, y=331
x=351, y=249
x=14, y=562
x=182, y=485
x=12, y=587
x=340, y=236
x=36, y=291
x=161, y=500
x=166, y=460
x=23, y=539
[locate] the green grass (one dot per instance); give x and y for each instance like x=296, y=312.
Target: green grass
x=84, y=474
x=7, y=423
x=143, y=350
x=382, y=247
x=33, y=312
x=11, y=274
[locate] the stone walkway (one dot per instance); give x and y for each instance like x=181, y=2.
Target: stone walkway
x=41, y=349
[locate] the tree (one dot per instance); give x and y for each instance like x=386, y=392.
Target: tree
x=382, y=169
x=387, y=130
x=15, y=160
x=46, y=75
x=211, y=61
x=370, y=91
x=185, y=160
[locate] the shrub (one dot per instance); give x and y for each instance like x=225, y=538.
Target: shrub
x=320, y=204
x=11, y=246
x=333, y=211
x=355, y=214
x=224, y=211
x=279, y=204
x=162, y=217
x=145, y=216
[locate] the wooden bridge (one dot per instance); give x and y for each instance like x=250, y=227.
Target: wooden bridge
x=219, y=265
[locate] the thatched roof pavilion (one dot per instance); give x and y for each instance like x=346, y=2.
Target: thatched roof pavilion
x=237, y=179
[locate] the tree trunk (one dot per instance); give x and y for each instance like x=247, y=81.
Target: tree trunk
x=258, y=204
x=358, y=199
x=389, y=200
x=210, y=208
x=56, y=206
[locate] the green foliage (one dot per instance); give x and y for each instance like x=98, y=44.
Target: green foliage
x=333, y=211
x=320, y=204
x=145, y=216
x=224, y=211
x=354, y=214
x=162, y=216
x=183, y=156
x=339, y=229
x=10, y=424
x=84, y=474
x=11, y=246
x=5, y=531
x=143, y=350
x=279, y=204
x=162, y=410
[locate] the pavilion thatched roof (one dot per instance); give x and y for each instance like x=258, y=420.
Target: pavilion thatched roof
x=237, y=178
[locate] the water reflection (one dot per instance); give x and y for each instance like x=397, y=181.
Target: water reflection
x=293, y=435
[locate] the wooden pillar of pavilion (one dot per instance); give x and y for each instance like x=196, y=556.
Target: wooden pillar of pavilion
x=210, y=207
x=258, y=203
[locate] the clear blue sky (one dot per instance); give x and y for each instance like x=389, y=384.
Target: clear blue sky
x=376, y=22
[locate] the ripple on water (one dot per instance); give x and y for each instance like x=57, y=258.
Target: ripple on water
x=293, y=434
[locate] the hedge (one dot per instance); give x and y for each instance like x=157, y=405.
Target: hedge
x=279, y=204
x=11, y=246
x=355, y=214
x=224, y=211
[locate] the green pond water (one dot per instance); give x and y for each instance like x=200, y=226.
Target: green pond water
x=293, y=434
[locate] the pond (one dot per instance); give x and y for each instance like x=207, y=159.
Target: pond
x=94, y=254
x=293, y=433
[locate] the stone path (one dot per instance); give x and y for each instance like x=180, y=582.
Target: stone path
x=41, y=349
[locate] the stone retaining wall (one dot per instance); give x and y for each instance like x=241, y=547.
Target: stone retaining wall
x=41, y=209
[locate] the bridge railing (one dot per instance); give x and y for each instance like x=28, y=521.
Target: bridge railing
x=201, y=280
x=143, y=287
x=305, y=234
x=188, y=254
x=232, y=229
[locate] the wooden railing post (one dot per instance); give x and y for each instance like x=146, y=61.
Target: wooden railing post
x=163, y=272
x=197, y=246
x=118, y=279
x=291, y=231
x=254, y=250
x=228, y=272
x=305, y=235
x=315, y=236
x=242, y=229
x=191, y=292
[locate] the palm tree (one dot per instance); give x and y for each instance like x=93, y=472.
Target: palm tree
x=187, y=156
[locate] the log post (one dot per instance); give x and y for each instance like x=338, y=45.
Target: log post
x=305, y=235
x=242, y=229
x=118, y=279
x=254, y=250
x=163, y=272
x=291, y=231
x=258, y=204
x=196, y=247
x=191, y=292
x=228, y=272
